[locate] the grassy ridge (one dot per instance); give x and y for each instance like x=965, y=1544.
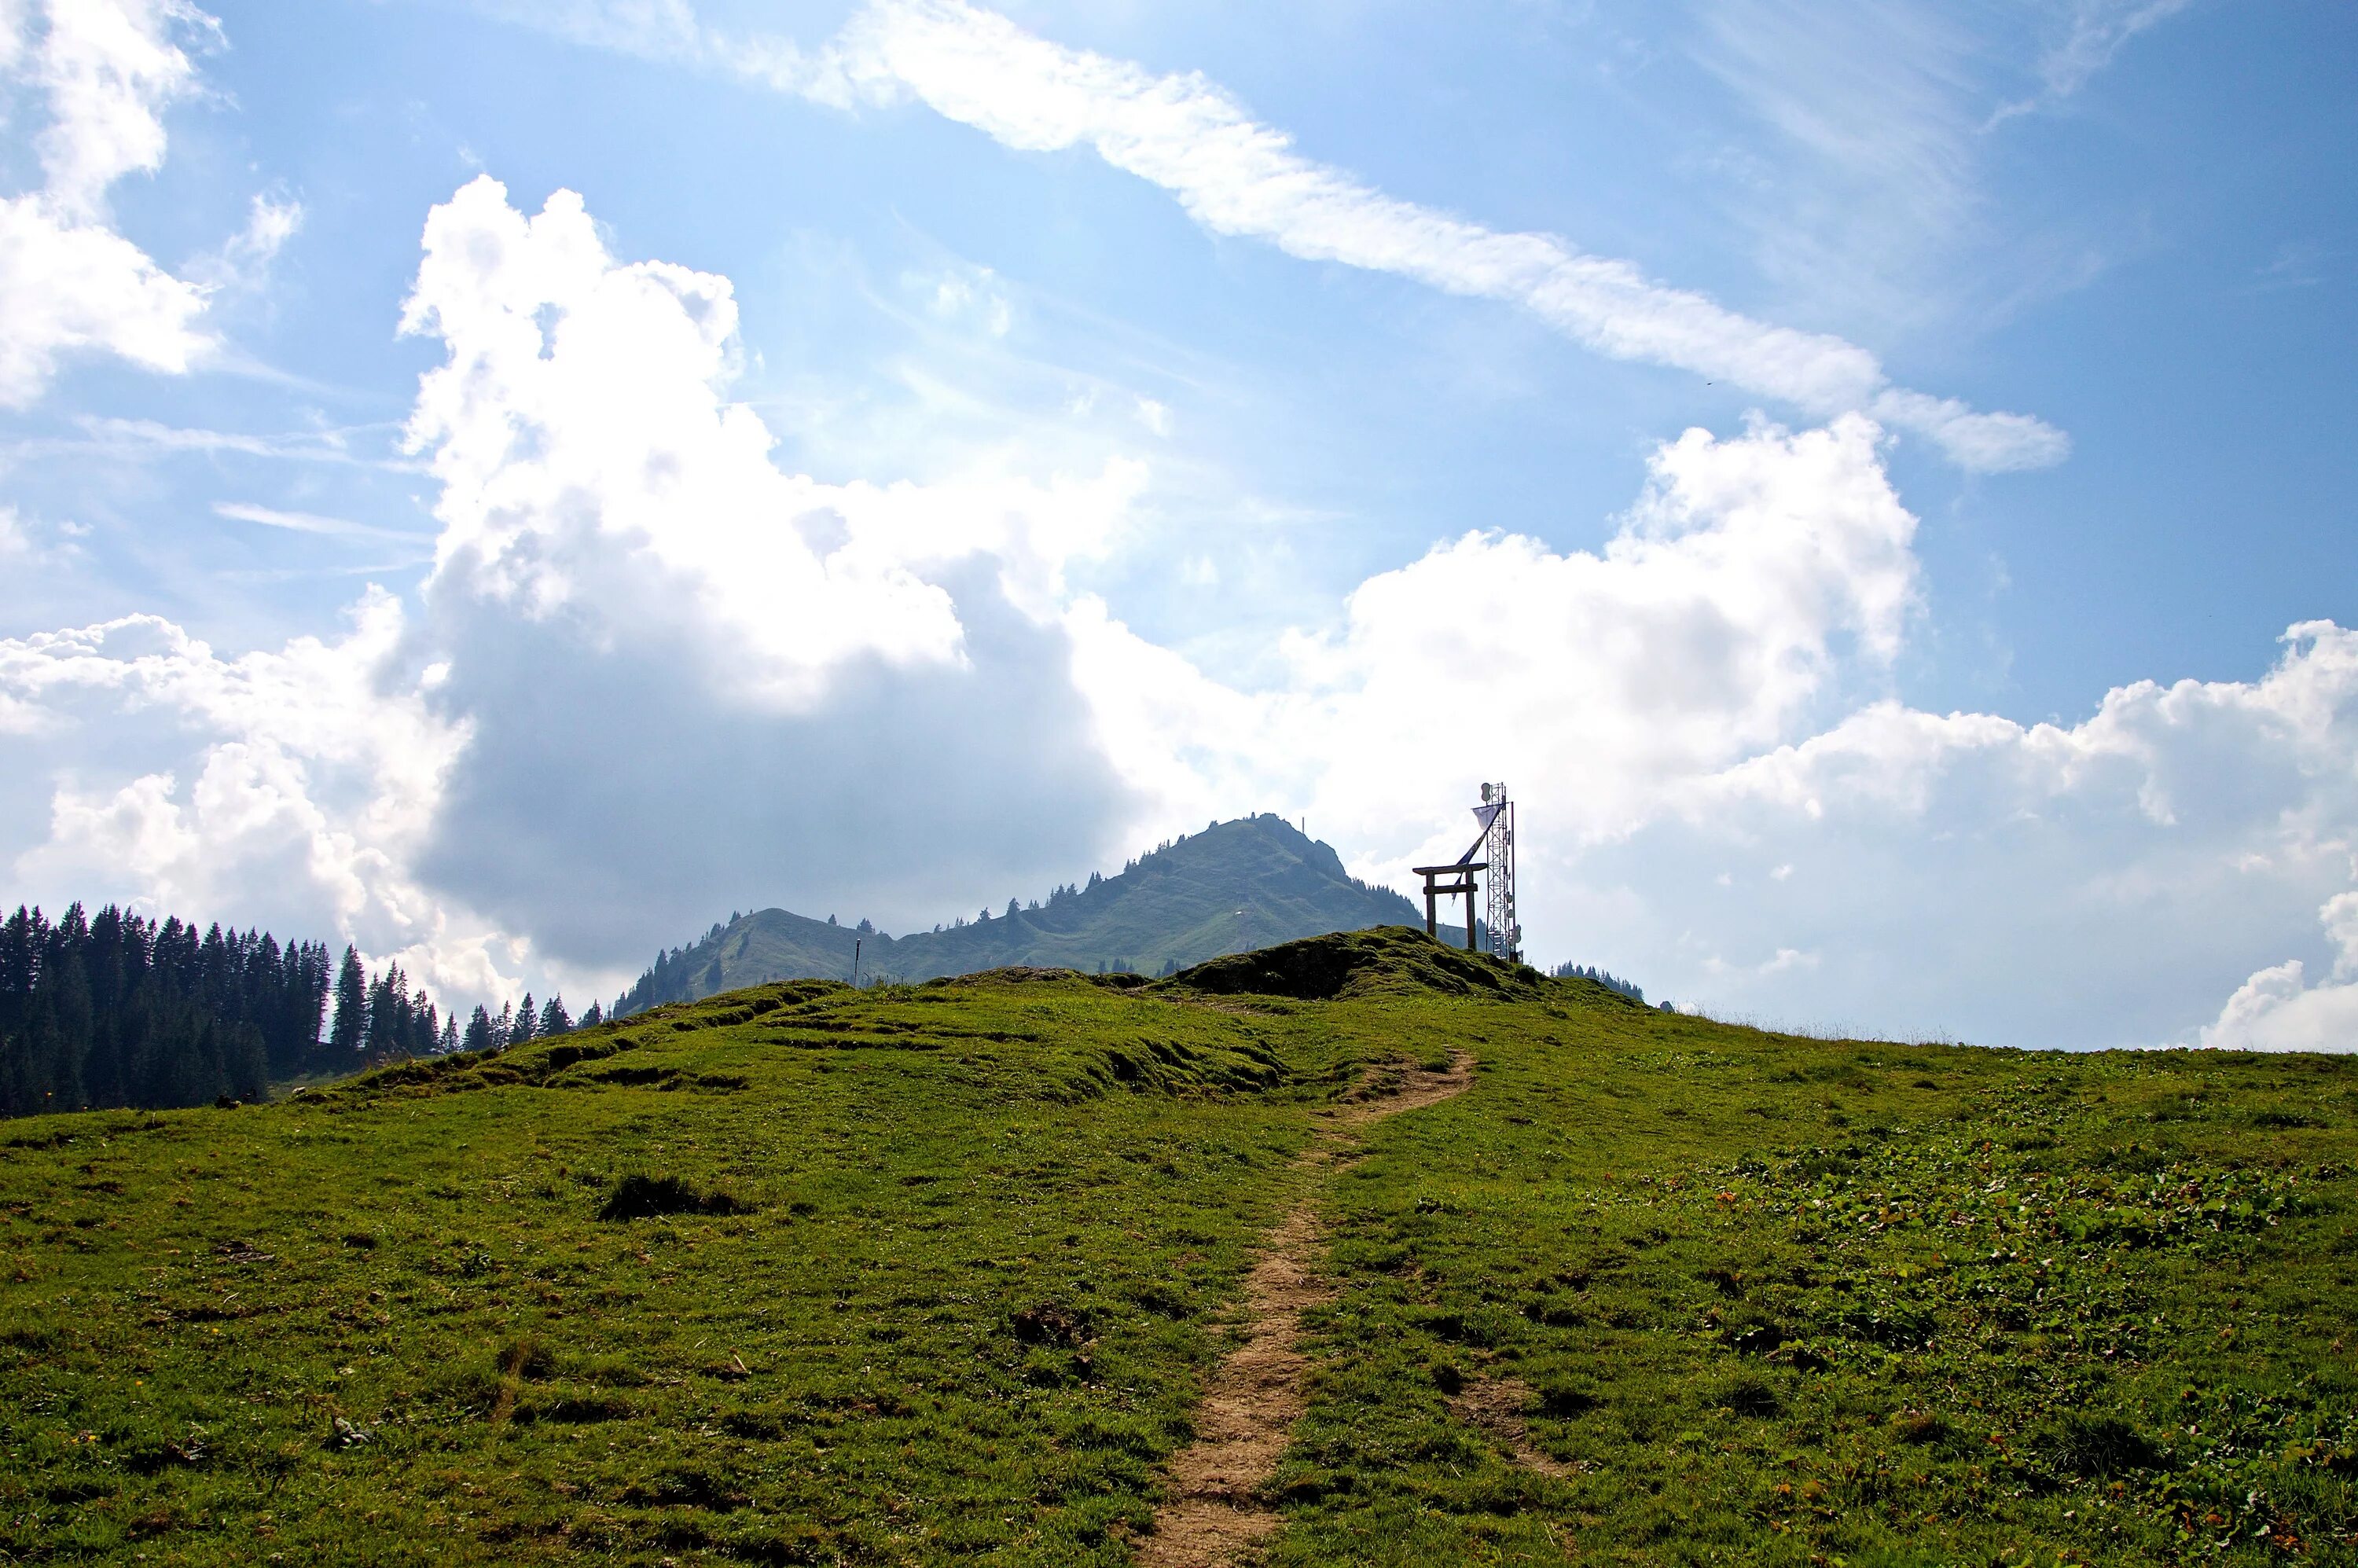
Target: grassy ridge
x=952, y=1293
x=931, y=1274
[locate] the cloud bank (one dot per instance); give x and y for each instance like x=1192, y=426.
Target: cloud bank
x=650, y=673
x=654, y=675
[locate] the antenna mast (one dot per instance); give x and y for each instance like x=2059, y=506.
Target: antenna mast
x=1497, y=813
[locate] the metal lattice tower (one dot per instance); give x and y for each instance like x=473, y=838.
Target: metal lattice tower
x=1497, y=813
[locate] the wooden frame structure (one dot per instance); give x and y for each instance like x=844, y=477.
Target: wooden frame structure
x=1464, y=868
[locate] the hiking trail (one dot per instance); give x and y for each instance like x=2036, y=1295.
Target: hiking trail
x=1215, y=1512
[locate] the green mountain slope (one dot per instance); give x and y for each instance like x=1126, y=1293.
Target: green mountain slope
x=937, y=1273
x=1235, y=886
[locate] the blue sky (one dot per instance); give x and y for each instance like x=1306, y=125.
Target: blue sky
x=1025, y=434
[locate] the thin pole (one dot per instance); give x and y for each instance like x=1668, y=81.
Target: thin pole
x=855, y=963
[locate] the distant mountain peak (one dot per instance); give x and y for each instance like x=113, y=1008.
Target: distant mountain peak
x=1229, y=887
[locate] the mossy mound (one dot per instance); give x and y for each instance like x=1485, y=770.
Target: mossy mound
x=1387, y=959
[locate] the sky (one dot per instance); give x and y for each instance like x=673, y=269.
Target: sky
x=506, y=484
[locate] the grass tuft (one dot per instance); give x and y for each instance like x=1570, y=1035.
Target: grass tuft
x=641, y=1197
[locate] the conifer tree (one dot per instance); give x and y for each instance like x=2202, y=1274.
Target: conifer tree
x=521, y=1027
x=349, y=1034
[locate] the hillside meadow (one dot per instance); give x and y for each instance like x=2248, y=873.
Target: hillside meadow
x=934, y=1273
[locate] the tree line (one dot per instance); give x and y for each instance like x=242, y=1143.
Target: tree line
x=1591, y=972
x=113, y=1010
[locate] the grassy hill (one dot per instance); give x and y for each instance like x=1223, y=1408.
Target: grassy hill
x=936, y=1274
x=1236, y=885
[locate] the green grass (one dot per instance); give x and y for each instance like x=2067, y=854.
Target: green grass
x=932, y=1274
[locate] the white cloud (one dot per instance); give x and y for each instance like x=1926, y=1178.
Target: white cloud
x=22, y=539
x=68, y=282
x=580, y=412
x=2278, y=1010
x=66, y=287
x=109, y=67
x=2099, y=883
x=137, y=441
x=1695, y=708
x=301, y=781
x=2083, y=39
x=244, y=260
x=1712, y=625
x=1872, y=106
x=966, y=294
x=669, y=30
x=653, y=673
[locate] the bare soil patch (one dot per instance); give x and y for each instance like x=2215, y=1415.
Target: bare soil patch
x=1215, y=1514
x=1497, y=1406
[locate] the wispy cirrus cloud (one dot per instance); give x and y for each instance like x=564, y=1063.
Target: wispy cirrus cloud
x=141, y=440
x=312, y=523
x=2098, y=30
x=2094, y=32
x=1237, y=176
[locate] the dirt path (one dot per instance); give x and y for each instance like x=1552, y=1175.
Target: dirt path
x=1215, y=1512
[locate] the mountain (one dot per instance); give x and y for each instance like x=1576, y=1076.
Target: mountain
x=1233, y=886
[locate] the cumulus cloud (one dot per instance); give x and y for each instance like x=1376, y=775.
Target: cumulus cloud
x=68, y=286
x=2278, y=1010
x=302, y=780
x=2101, y=883
x=1748, y=575
x=109, y=67
x=69, y=282
x=653, y=674
x=580, y=424
x=1715, y=797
